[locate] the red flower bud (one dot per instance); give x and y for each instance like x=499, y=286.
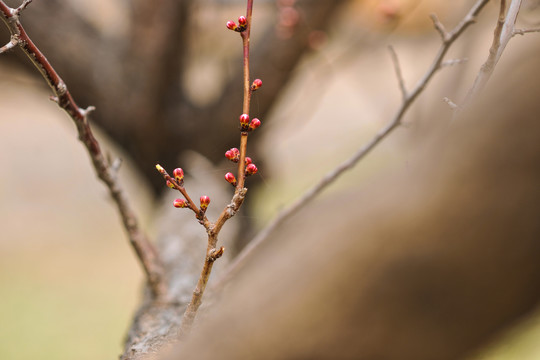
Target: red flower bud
x=231, y=25
x=244, y=119
x=178, y=174
x=255, y=123
x=248, y=160
x=257, y=83
x=230, y=178
x=170, y=184
x=180, y=203
x=251, y=169
x=205, y=201
x=242, y=21
x=233, y=154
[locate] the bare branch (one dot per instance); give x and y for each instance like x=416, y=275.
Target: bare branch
x=524, y=31
x=503, y=32
x=22, y=7
x=399, y=74
x=145, y=251
x=395, y=122
x=453, y=62
x=439, y=27
x=10, y=45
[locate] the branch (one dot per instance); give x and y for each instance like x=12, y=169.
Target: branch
x=146, y=253
x=213, y=230
x=524, y=31
x=504, y=31
x=399, y=74
x=448, y=38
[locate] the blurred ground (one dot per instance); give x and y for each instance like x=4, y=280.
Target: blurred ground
x=68, y=279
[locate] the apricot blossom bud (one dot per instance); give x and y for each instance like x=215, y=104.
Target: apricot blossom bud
x=230, y=178
x=242, y=21
x=233, y=154
x=205, y=201
x=248, y=160
x=231, y=25
x=255, y=123
x=251, y=169
x=244, y=119
x=160, y=168
x=180, y=203
x=257, y=83
x=178, y=174
x=170, y=184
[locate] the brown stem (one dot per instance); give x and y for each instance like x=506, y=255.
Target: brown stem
x=145, y=251
x=212, y=253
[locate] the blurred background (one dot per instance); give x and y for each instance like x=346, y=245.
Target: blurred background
x=165, y=79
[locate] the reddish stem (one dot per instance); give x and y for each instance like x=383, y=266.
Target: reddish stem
x=246, y=35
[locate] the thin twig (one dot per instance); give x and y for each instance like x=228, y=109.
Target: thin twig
x=399, y=74
x=145, y=251
x=212, y=252
x=453, y=62
x=448, y=39
x=524, y=31
x=502, y=34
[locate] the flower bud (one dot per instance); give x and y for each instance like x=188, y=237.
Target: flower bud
x=205, y=201
x=244, y=119
x=251, y=169
x=231, y=25
x=180, y=203
x=255, y=123
x=248, y=160
x=230, y=178
x=242, y=21
x=160, y=168
x=257, y=83
x=233, y=154
x=178, y=174
x=170, y=184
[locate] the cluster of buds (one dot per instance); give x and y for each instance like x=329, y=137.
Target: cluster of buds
x=242, y=24
x=246, y=125
x=233, y=155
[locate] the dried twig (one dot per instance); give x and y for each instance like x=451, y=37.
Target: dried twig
x=447, y=39
x=145, y=251
x=503, y=32
x=399, y=74
x=524, y=31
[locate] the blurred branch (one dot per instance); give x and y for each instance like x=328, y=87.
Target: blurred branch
x=145, y=251
x=399, y=74
x=448, y=38
x=504, y=31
